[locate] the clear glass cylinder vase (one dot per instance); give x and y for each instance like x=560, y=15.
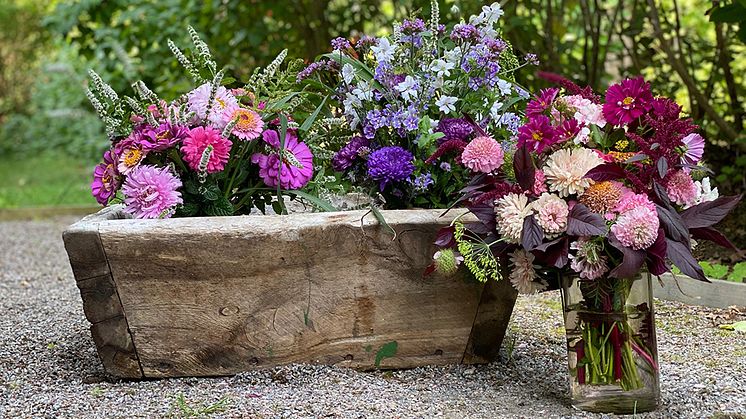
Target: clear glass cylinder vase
x=611, y=344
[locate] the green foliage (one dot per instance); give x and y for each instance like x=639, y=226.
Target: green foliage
x=57, y=116
x=714, y=270
x=731, y=12
x=739, y=272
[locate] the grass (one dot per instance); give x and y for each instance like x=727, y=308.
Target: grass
x=181, y=408
x=44, y=181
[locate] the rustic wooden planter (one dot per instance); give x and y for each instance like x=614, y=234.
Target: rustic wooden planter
x=217, y=296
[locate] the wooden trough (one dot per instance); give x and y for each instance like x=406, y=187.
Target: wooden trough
x=217, y=296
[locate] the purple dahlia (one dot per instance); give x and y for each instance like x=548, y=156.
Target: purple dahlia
x=390, y=164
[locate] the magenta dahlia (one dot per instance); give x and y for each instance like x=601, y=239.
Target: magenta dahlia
x=205, y=150
x=541, y=102
x=538, y=134
x=627, y=101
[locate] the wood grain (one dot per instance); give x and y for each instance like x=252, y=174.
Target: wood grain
x=101, y=303
x=217, y=296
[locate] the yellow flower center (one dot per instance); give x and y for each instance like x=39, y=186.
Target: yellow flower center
x=246, y=120
x=106, y=178
x=536, y=136
x=132, y=157
x=628, y=100
x=220, y=101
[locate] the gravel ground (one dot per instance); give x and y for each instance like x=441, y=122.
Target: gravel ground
x=49, y=367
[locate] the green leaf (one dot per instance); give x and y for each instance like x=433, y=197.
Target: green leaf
x=379, y=216
x=388, y=350
x=737, y=327
x=730, y=13
x=314, y=200
x=219, y=208
x=309, y=121
x=188, y=209
x=211, y=192
x=716, y=270
x=362, y=70
x=739, y=272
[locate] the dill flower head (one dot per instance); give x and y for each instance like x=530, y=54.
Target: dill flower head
x=602, y=197
x=565, y=170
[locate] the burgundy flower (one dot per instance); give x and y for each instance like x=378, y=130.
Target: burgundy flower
x=627, y=101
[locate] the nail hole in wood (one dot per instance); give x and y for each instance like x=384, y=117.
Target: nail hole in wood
x=348, y=357
x=163, y=366
x=254, y=361
x=229, y=311
x=439, y=352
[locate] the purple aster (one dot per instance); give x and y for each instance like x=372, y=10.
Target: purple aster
x=532, y=59
x=106, y=178
x=151, y=192
x=390, y=164
x=412, y=32
x=345, y=157
x=455, y=129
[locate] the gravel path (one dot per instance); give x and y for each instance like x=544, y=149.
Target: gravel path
x=49, y=368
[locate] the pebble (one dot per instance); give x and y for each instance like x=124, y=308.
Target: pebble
x=49, y=367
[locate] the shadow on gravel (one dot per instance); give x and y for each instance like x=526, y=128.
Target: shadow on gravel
x=77, y=359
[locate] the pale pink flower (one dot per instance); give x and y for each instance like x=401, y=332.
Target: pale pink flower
x=637, y=228
x=681, y=188
x=523, y=275
x=249, y=124
x=630, y=200
x=540, y=185
x=483, y=154
x=587, y=112
x=510, y=211
x=199, y=98
x=565, y=170
x=551, y=214
x=151, y=192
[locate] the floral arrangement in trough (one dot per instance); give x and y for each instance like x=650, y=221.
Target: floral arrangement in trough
x=599, y=190
x=424, y=109
x=212, y=151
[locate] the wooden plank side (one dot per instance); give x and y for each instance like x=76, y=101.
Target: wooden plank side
x=717, y=293
x=216, y=296
x=101, y=303
x=490, y=324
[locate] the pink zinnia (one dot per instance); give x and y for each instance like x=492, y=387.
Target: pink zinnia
x=627, y=101
x=637, y=228
x=291, y=167
x=249, y=124
x=694, y=148
x=483, y=154
x=205, y=150
x=681, y=188
x=151, y=192
x=630, y=200
x=130, y=152
x=537, y=134
x=106, y=179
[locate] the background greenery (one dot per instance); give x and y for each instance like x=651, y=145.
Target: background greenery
x=692, y=50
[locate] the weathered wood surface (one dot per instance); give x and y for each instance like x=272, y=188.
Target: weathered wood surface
x=101, y=303
x=718, y=293
x=216, y=296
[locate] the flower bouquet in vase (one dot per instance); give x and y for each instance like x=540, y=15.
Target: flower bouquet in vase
x=601, y=195
x=423, y=109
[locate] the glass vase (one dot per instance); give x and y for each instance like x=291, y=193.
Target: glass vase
x=611, y=345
